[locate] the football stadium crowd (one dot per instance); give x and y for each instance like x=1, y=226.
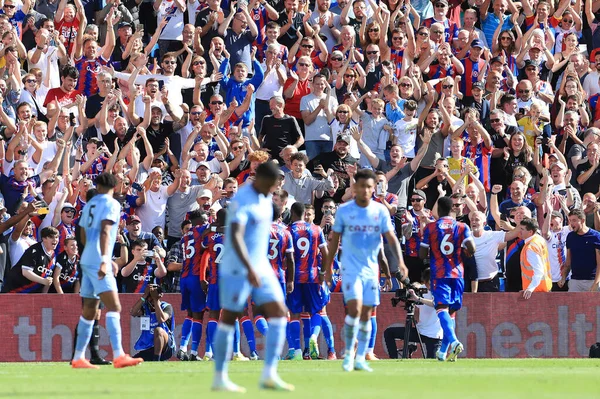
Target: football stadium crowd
x=493, y=103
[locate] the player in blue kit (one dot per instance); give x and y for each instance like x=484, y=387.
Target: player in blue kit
x=245, y=270
x=361, y=223
x=444, y=240
x=99, y=224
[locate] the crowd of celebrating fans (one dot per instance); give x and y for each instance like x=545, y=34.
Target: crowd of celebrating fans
x=491, y=103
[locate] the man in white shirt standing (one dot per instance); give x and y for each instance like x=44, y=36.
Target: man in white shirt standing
x=488, y=243
x=556, y=236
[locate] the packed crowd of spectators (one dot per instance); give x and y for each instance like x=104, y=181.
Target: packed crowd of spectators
x=492, y=103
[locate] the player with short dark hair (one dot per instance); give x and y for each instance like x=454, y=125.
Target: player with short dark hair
x=245, y=270
x=193, y=298
x=308, y=242
x=142, y=269
x=444, y=240
x=100, y=222
x=361, y=223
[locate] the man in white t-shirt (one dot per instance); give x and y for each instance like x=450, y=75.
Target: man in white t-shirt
x=556, y=236
x=44, y=53
x=488, y=243
x=405, y=129
x=173, y=11
x=153, y=212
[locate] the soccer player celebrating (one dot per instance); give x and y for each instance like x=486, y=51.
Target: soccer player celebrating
x=361, y=223
x=444, y=240
x=308, y=241
x=193, y=299
x=99, y=224
x=246, y=270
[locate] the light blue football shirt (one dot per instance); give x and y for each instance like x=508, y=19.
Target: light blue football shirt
x=254, y=211
x=361, y=230
x=100, y=207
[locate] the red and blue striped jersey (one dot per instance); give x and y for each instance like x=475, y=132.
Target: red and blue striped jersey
x=280, y=243
x=261, y=50
x=396, y=57
x=472, y=72
x=88, y=69
x=214, y=245
x=307, y=238
x=259, y=15
x=414, y=242
x=97, y=168
x=481, y=156
x=450, y=28
x=439, y=72
x=64, y=232
x=336, y=275
x=191, y=248
x=445, y=239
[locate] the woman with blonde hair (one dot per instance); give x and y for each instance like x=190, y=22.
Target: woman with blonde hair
x=340, y=123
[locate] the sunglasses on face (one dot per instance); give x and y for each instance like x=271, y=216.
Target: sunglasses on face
x=31, y=81
x=307, y=46
x=372, y=52
x=196, y=113
x=447, y=86
x=423, y=34
x=69, y=211
x=374, y=30
x=568, y=21
x=237, y=148
x=348, y=76
x=9, y=6
x=416, y=199
x=170, y=62
x=337, y=59
x=342, y=112
x=216, y=103
x=405, y=85
x=456, y=205
x=397, y=38
x=198, y=63
x=524, y=91
x=302, y=64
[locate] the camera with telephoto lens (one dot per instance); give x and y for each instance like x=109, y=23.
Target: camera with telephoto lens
x=402, y=294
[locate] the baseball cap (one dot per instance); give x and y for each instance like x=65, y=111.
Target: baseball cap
x=203, y=163
x=495, y=59
x=477, y=85
x=133, y=219
x=67, y=205
x=477, y=43
x=559, y=164
x=124, y=24
x=420, y=193
x=440, y=1
x=155, y=170
x=337, y=53
x=343, y=137
x=531, y=63
x=205, y=194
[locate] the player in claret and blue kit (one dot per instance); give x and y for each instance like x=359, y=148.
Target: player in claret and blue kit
x=361, y=223
x=444, y=241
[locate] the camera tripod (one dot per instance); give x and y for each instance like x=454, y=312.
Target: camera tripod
x=409, y=324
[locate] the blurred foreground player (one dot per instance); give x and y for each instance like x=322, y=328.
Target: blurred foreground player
x=99, y=224
x=245, y=270
x=444, y=240
x=361, y=223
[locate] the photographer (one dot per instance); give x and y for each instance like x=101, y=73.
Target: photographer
x=428, y=324
x=156, y=343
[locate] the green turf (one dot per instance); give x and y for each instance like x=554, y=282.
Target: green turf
x=485, y=379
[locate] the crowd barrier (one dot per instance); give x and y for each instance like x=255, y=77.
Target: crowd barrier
x=38, y=327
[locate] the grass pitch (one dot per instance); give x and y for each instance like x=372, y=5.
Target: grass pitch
x=481, y=379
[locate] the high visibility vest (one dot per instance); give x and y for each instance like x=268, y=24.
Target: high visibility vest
x=538, y=245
